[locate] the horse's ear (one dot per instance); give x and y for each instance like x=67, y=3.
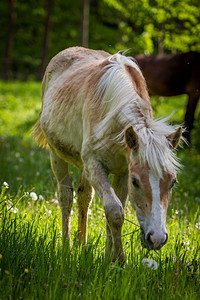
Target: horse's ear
x=131, y=138
x=174, y=138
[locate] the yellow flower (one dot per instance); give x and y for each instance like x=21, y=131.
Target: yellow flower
x=26, y=270
x=1, y=256
x=7, y=272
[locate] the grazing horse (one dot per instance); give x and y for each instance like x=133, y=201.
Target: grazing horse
x=171, y=75
x=96, y=115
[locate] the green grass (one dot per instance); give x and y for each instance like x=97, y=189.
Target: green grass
x=33, y=262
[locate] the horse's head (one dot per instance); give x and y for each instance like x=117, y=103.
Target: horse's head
x=150, y=192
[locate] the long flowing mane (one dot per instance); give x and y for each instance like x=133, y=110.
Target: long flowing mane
x=123, y=107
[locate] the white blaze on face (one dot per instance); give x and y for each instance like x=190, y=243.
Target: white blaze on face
x=157, y=219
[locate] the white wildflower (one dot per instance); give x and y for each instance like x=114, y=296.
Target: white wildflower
x=5, y=184
x=49, y=211
x=197, y=225
x=41, y=197
x=186, y=242
x=55, y=201
x=17, y=154
x=33, y=196
x=150, y=263
x=89, y=211
x=14, y=210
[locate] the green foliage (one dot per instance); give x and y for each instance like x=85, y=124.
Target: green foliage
x=33, y=262
x=143, y=26
x=158, y=26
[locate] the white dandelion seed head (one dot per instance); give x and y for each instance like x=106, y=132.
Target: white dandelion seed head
x=150, y=263
x=41, y=197
x=5, y=184
x=14, y=210
x=33, y=196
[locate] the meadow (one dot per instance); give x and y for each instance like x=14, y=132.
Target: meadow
x=33, y=262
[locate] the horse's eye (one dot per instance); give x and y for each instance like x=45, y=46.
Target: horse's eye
x=135, y=182
x=173, y=183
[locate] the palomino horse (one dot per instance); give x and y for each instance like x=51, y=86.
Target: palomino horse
x=174, y=74
x=96, y=115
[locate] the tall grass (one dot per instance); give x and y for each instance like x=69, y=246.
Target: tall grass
x=33, y=262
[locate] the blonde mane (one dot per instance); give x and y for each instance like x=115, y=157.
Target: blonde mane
x=123, y=107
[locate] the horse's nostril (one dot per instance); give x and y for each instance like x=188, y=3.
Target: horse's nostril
x=149, y=241
x=165, y=239
x=155, y=242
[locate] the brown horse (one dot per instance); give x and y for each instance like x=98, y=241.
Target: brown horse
x=96, y=114
x=171, y=75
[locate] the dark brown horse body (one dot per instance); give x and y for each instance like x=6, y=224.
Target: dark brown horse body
x=174, y=74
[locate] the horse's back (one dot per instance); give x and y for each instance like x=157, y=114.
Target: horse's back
x=70, y=58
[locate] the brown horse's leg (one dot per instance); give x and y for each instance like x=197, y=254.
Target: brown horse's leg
x=65, y=190
x=189, y=116
x=84, y=201
x=120, y=186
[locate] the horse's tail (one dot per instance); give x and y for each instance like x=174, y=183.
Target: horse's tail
x=38, y=135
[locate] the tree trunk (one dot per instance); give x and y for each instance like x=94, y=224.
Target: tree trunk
x=85, y=23
x=7, y=60
x=47, y=31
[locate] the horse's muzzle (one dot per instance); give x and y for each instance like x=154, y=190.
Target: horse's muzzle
x=153, y=241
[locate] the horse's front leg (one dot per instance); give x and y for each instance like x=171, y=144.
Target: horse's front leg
x=120, y=186
x=113, y=207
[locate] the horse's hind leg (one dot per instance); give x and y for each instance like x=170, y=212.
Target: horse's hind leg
x=84, y=199
x=64, y=189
